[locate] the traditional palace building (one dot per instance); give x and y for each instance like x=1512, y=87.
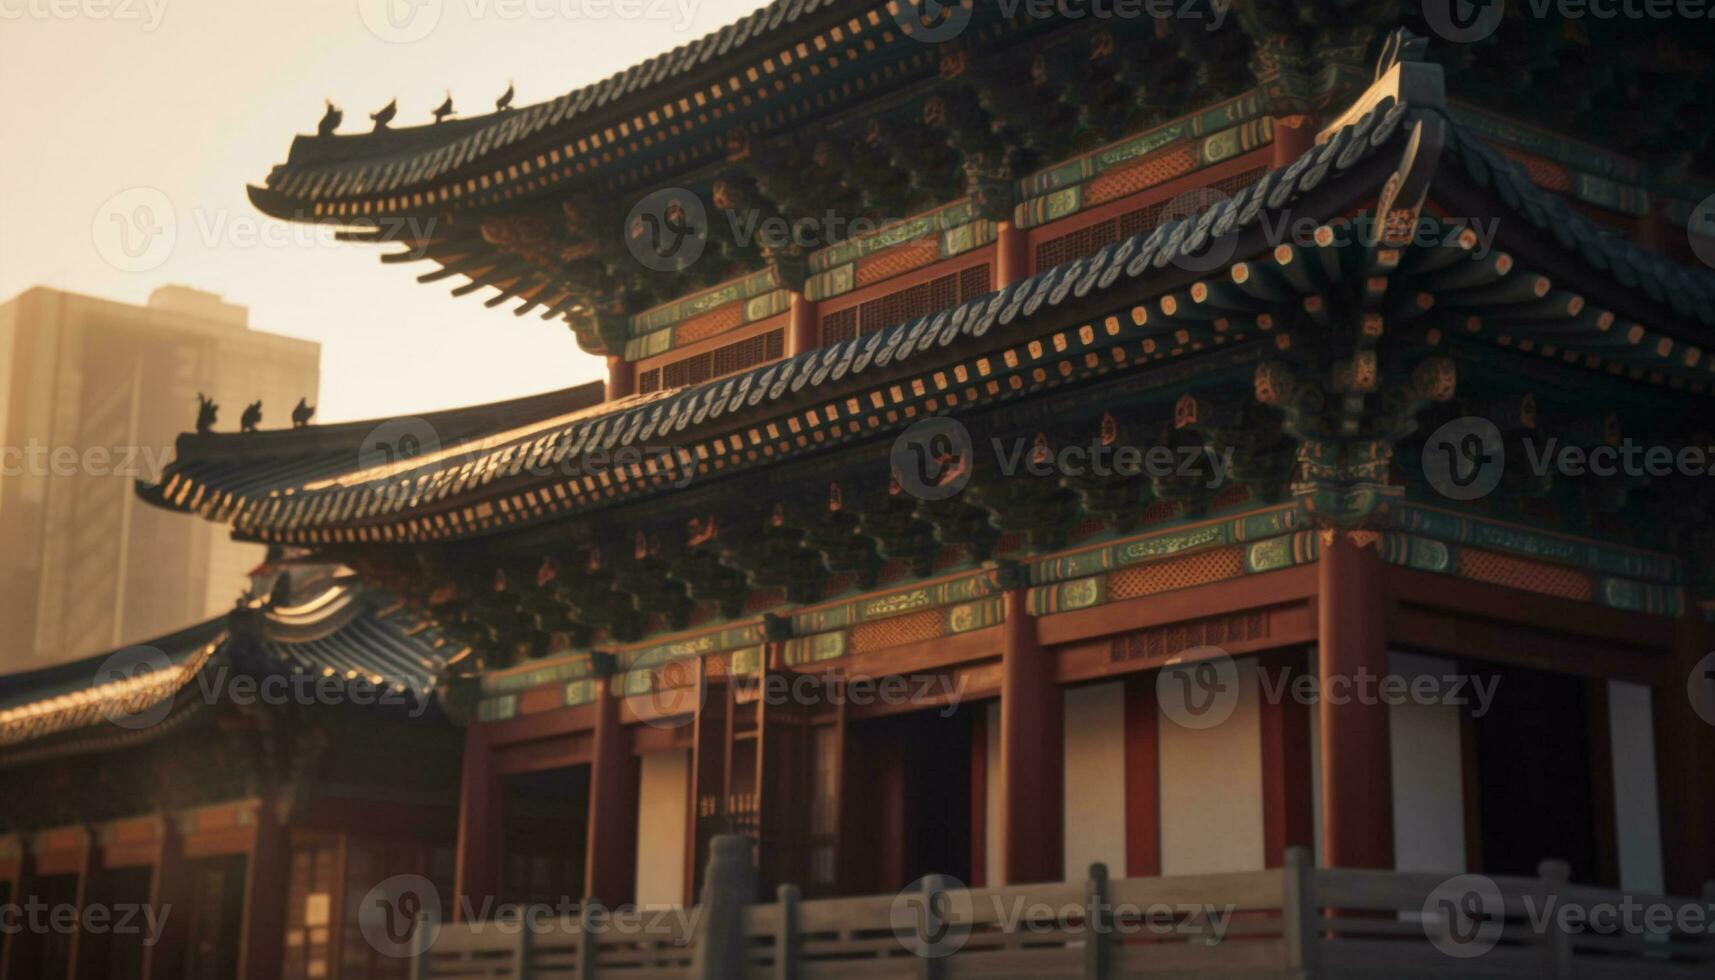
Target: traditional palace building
x=816, y=568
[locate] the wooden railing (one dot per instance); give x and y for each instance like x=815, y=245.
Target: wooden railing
x=1296, y=921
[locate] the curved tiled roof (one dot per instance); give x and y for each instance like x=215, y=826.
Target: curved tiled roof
x=396, y=161
x=406, y=503
x=342, y=631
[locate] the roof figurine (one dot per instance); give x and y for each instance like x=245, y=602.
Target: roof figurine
x=302, y=413
x=505, y=101
x=330, y=119
x=207, y=414
x=252, y=417
x=385, y=115
x=445, y=109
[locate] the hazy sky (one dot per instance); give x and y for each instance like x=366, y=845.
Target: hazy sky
x=108, y=103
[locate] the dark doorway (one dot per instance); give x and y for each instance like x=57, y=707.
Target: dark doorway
x=547, y=821
x=1534, y=775
x=116, y=948
x=215, y=916
x=908, y=795
x=39, y=950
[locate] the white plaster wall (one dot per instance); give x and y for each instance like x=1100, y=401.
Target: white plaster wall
x=1428, y=773
x=1211, y=790
x=995, y=793
x=662, y=809
x=1637, y=813
x=1095, y=779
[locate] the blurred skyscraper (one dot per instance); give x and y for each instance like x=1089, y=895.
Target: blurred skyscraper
x=92, y=395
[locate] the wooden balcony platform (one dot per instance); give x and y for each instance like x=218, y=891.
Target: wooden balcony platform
x=1293, y=922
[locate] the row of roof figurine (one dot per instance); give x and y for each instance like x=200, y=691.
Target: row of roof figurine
x=384, y=116
x=208, y=411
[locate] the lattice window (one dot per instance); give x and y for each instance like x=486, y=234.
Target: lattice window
x=648, y=381
x=721, y=361
x=837, y=328
x=1088, y=241
x=1176, y=573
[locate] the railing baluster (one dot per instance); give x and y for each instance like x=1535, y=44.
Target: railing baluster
x=521, y=949
x=931, y=931
x=589, y=946
x=1096, y=925
x=1557, y=945
x=1299, y=915
x=420, y=966
x=786, y=935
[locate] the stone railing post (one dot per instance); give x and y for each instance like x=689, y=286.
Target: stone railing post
x=932, y=930
x=589, y=940
x=1097, y=924
x=1299, y=915
x=729, y=884
x=1557, y=945
x=786, y=936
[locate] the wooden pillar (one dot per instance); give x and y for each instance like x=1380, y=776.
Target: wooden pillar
x=621, y=378
x=23, y=882
x=1032, y=744
x=1142, y=778
x=804, y=332
x=1685, y=759
x=266, y=880
x=481, y=812
x=167, y=891
x=1286, y=805
x=1012, y=255
x=610, y=858
x=980, y=842
x=1292, y=136
x=85, y=868
x=1357, y=786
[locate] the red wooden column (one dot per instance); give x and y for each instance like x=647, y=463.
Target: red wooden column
x=481, y=812
x=85, y=868
x=167, y=891
x=1011, y=254
x=1032, y=739
x=804, y=330
x=1357, y=785
x=1685, y=760
x=1292, y=136
x=610, y=860
x=266, y=879
x=23, y=882
x=1286, y=805
x=621, y=378
x=1142, y=778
